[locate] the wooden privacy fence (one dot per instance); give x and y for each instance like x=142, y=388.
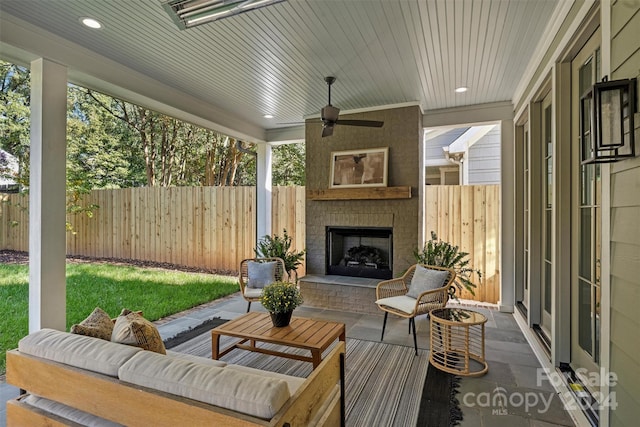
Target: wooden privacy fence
x=468, y=216
x=208, y=227
x=215, y=227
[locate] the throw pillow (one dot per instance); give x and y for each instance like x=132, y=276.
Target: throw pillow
x=133, y=329
x=97, y=325
x=261, y=274
x=426, y=279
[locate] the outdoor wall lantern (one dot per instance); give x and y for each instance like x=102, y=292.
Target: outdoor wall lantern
x=606, y=121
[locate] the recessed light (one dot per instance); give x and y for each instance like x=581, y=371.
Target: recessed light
x=268, y=116
x=461, y=89
x=91, y=23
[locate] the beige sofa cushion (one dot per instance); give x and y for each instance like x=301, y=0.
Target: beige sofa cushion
x=84, y=352
x=67, y=412
x=292, y=382
x=256, y=395
x=197, y=359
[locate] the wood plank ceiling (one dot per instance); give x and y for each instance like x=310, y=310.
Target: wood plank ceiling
x=273, y=60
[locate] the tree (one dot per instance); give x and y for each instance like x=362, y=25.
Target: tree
x=15, y=115
x=15, y=95
x=100, y=150
x=288, y=164
x=175, y=152
x=115, y=144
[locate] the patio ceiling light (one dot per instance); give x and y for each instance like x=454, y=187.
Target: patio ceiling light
x=91, y=23
x=189, y=13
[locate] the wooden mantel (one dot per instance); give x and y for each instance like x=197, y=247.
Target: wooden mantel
x=365, y=193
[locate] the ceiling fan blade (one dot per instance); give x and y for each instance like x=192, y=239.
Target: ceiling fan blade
x=327, y=130
x=366, y=123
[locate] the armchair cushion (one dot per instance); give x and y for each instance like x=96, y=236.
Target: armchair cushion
x=252, y=292
x=402, y=303
x=261, y=274
x=426, y=279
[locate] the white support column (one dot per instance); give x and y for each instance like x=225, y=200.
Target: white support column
x=47, y=196
x=507, y=231
x=422, y=197
x=263, y=190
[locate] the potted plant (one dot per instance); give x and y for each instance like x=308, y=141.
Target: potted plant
x=280, y=247
x=280, y=299
x=443, y=254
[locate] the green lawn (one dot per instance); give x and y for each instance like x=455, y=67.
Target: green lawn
x=157, y=293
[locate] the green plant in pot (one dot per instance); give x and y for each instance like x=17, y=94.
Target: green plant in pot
x=439, y=253
x=280, y=247
x=280, y=299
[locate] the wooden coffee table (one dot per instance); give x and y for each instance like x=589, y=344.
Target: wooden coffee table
x=254, y=327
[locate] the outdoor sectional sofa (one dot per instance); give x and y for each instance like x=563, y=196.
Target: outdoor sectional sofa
x=69, y=379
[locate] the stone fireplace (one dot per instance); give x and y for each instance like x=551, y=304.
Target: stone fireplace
x=362, y=209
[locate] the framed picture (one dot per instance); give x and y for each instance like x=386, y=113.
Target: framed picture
x=359, y=168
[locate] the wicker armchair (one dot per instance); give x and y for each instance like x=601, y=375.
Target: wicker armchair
x=391, y=297
x=252, y=294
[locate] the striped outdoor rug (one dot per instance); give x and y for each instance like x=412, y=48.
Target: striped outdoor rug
x=383, y=382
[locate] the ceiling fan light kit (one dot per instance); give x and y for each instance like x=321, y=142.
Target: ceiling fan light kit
x=329, y=115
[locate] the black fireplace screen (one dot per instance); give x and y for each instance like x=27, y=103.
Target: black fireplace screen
x=360, y=252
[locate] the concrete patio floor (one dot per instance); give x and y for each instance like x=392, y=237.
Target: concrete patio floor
x=514, y=392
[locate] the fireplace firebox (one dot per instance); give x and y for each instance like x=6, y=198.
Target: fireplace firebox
x=360, y=251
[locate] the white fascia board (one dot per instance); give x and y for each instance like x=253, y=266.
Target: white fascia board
x=470, y=137
x=437, y=162
x=286, y=135
x=469, y=115
x=430, y=134
x=23, y=42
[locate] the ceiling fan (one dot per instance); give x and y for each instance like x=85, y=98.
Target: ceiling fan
x=329, y=116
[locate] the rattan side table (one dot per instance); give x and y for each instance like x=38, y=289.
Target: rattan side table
x=457, y=339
